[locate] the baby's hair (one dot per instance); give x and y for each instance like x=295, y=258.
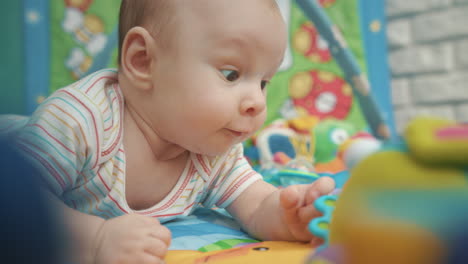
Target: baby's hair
x=153, y=15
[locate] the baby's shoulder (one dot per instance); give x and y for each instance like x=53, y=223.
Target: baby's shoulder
x=98, y=93
x=91, y=107
x=95, y=83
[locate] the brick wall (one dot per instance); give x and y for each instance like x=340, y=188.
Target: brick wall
x=428, y=42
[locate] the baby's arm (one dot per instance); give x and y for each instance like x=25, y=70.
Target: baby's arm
x=81, y=228
x=269, y=213
x=63, y=139
x=126, y=239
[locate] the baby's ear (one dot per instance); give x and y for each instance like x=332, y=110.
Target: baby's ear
x=137, y=57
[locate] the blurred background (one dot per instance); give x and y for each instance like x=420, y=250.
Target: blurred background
x=428, y=55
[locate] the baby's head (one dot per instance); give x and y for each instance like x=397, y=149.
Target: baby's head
x=194, y=72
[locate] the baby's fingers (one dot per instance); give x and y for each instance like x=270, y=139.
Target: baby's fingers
x=307, y=213
x=162, y=233
x=289, y=198
x=323, y=186
x=320, y=187
x=156, y=247
x=316, y=241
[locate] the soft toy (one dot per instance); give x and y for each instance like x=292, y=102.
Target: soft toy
x=328, y=137
x=357, y=148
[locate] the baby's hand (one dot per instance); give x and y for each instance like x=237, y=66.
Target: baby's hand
x=298, y=208
x=132, y=239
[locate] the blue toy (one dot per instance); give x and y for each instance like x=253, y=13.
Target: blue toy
x=320, y=226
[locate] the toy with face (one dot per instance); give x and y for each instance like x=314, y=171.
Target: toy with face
x=329, y=135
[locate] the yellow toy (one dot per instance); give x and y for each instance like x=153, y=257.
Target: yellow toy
x=438, y=141
x=407, y=202
x=263, y=252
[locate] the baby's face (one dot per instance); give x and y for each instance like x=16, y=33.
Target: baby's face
x=210, y=83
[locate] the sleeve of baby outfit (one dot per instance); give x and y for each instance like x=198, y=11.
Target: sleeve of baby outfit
x=235, y=175
x=61, y=139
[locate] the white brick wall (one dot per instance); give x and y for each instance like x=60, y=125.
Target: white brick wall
x=400, y=92
x=428, y=56
x=442, y=24
x=421, y=59
x=461, y=49
x=462, y=112
x=404, y=7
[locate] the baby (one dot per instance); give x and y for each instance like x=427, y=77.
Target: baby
x=126, y=150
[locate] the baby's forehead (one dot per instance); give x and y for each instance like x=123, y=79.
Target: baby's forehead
x=224, y=7
x=239, y=23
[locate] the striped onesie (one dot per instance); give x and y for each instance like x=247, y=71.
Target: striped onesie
x=75, y=140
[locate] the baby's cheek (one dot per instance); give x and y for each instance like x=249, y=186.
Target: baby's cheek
x=261, y=119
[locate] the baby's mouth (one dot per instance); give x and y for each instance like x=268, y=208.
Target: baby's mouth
x=236, y=133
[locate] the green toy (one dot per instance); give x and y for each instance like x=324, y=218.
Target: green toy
x=328, y=136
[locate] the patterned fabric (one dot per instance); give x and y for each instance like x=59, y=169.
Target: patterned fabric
x=75, y=139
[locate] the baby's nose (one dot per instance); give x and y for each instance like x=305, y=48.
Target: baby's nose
x=253, y=104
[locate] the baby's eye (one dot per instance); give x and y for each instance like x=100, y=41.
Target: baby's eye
x=264, y=84
x=230, y=75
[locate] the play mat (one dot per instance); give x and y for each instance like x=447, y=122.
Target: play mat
x=332, y=86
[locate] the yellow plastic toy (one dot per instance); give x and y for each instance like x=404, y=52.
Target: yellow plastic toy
x=403, y=203
x=438, y=141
